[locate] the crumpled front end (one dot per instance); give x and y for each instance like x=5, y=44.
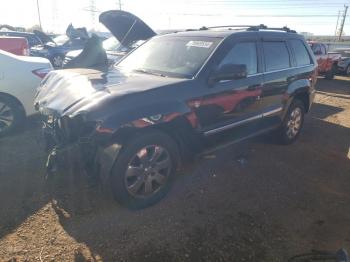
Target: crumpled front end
x=65, y=136
x=77, y=141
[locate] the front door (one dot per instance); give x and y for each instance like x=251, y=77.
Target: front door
x=232, y=102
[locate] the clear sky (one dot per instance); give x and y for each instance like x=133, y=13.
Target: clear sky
x=315, y=16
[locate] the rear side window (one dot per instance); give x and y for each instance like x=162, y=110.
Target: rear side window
x=301, y=54
x=276, y=56
x=245, y=54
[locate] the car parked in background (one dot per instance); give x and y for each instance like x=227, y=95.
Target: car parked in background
x=174, y=96
x=55, y=49
x=14, y=45
x=344, y=62
x=128, y=32
x=32, y=39
x=19, y=78
x=327, y=61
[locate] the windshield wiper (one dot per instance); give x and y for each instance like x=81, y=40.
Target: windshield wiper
x=144, y=71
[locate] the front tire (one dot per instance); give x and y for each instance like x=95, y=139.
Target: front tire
x=292, y=123
x=11, y=115
x=143, y=172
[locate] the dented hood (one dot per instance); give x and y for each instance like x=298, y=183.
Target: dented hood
x=70, y=91
x=126, y=27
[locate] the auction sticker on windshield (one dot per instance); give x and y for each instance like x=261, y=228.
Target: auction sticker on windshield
x=203, y=44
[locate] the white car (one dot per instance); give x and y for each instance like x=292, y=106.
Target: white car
x=19, y=78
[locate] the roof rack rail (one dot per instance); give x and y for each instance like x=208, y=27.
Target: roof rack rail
x=230, y=26
x=264, y=27
x=248, y=28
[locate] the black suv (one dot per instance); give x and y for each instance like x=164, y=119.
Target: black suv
x=173, y=97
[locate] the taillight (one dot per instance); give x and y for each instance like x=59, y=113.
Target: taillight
x=26, y=49
x=41, y=72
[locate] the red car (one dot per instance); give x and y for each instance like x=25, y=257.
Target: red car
x=327, y=61
x=14, y=45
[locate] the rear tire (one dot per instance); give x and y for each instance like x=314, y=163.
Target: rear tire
x=292, y=123
x=11, y=115
x=144, y=170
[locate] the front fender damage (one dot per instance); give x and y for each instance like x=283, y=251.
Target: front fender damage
x=105, y=158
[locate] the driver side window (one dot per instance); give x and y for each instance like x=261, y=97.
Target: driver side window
x=243, y=53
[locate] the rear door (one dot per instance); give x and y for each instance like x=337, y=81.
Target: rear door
x=278, y=74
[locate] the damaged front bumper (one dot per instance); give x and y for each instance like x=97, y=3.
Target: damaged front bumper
x=87, y=149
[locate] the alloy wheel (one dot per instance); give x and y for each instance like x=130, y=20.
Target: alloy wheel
x=57, y=61
x=294, y=122
x=6, y=116
x=148, y=171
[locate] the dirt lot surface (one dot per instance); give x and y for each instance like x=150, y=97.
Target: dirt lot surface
x=254, y=201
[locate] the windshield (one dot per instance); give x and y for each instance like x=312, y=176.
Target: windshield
x=170, y=56
x=60, y=40
x=111, y=44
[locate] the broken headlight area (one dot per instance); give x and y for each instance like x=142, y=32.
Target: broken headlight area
x=67, y=139
x=66, y=130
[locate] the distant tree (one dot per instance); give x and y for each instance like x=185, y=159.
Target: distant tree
x=7, y=27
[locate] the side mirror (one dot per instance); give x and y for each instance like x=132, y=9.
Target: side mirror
x=229, y=72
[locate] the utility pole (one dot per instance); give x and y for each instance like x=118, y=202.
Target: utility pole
x=37, y=5
x=54, y=16
x=92, y=13
x=336, y=27
x=120, y=4
x=343, y=22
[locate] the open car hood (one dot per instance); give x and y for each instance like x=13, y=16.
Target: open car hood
x=73, y=32
x=43, y=37
x=126, y=27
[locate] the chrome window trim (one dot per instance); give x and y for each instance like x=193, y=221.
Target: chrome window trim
x=270, y=72
x=241, y=122
x=289, y=68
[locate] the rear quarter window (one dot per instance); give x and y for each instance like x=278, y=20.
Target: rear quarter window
x=276, y=56
x=301, y=54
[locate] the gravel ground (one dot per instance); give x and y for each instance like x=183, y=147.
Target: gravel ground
x=254, y=201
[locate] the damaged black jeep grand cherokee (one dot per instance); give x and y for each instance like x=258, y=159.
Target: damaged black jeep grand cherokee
x=173, y=97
